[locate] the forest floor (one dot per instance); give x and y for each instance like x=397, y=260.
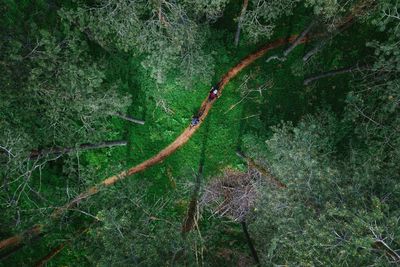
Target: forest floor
x=285, y=100
x=189, y=131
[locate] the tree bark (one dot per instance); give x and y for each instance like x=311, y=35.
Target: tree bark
x=314, y=50
x=57, y=151
x=358, y=9
x=190, y=219
x=15, y=242
x=128, y=118
x=340, y=28
x=49, y=256
x=298, y=39
x=11, y=251
x=380, y=244
x=250, y=243
x=242, y=13
x=294, y=44
x=332, y=73
x=55, y=251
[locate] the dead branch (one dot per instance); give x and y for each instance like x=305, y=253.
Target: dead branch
x=55, y=251
x=242, y=13
x=298, y=39
x=294, y=44
x=381, y=244
x=232, y=195
x=314, y=50
x=332, y=73
x=128, y=118
x=246, y=91
x=358, y=10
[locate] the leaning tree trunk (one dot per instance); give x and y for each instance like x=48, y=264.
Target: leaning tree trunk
x=298, y=39
x=190, y=219
x=332, y=73
x=358, y=10
x=250, y=242
x=49, y=256
x=13, y=244
x=55, y=251
x=59, y=150
x=242, y=13
x=314, y=50
x=294, y=44
x=328, y=37
x=128, y=118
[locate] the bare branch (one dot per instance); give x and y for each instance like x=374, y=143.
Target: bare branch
x=242, y=13
x=128, y=118
x=333, y=73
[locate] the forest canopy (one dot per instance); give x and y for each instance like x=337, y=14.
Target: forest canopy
x=200, y=133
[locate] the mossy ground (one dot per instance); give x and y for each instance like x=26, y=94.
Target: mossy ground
x=217, y=140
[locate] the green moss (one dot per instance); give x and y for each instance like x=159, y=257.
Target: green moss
x=215, y=143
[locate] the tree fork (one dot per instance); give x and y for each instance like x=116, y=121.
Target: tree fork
x=294, y=44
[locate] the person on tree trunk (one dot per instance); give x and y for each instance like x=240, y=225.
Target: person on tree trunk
x=213, y=93
x=195, y=121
